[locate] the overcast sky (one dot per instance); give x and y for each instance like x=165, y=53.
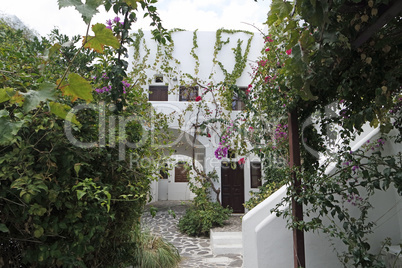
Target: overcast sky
x=205, y=15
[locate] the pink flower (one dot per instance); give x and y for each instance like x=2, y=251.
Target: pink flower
x=209, y=135
x=289, y=51
x=198, y=98
x=268, y=39
x=267, y=49
x=263, y=63
x=241, y=161
x=251, y=128
x=247, y=91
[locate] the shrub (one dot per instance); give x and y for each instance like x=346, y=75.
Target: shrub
x=62, y=205
x=198, y=221
x=203, y=214
x=155, y=252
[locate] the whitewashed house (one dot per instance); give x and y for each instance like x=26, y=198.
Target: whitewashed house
x=267, y=242
x=170, y=72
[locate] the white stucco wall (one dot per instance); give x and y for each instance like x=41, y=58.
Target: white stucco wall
x=208, y=72
x=268, y=243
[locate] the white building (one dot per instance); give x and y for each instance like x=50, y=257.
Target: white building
x=170, y=73
x=267, y=242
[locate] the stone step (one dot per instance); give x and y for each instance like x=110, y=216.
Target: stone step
x=227, y=249
x=226, y=243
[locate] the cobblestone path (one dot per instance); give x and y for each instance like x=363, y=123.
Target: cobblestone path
x=195, y=251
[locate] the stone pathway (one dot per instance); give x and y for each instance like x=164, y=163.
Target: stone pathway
x=195, y=251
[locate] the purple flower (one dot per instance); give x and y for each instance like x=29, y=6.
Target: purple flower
x=354, y=168
x=117, y=19
x=381, y=142
x=109, y=27
x=125, y=84
x=109, y=23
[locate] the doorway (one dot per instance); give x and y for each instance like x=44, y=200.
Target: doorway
x=232, y=185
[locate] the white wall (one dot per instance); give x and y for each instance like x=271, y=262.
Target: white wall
x=268, y=243
x=183, y=42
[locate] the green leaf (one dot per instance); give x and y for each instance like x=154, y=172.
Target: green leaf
x=132, y=3
x=38, y=232
x=34, y=97
x=9, y=130
x=6, y=94
x=279, y=10
x=77, y=168
x=69, y=3
x=77, y=87
x=4, y=113
x=3, y=228
x=87, y=10
x=61, y=110
x=54, y=49
x=103, y=37
x=80, y=194
x=37, y=209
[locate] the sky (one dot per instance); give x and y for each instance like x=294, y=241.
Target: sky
x=204, y=15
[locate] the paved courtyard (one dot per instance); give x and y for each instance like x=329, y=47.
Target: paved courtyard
x=195, y=251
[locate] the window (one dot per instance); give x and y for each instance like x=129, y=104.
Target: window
x=180, y=172
x=188, y=93
x=255, y=174
x=158, y=93
x=237, y=103
x=159, y=78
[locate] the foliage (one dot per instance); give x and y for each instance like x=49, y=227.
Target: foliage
x=203, y=214
x=222, y=93
x=273, y=180
x=59, y=199
x=340, y=202
x=155, y=252
x=314, y=64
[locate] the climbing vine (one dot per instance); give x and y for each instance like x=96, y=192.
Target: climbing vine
x=314, y=64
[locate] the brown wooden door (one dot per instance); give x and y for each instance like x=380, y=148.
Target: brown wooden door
x=232, y=185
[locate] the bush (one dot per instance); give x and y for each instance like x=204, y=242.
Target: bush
x=203, y=214
x=155, y=252
x=62, y=205
x=197, y=222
